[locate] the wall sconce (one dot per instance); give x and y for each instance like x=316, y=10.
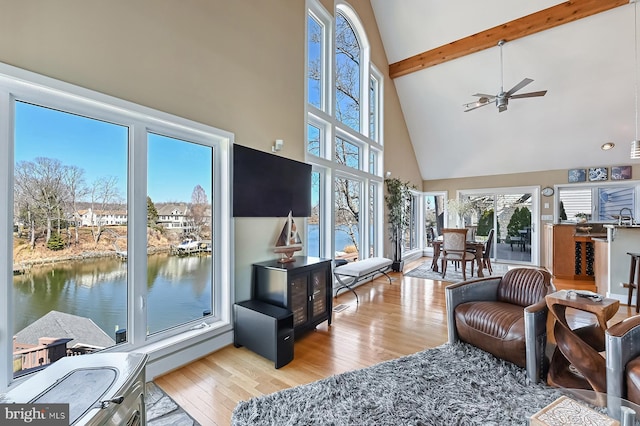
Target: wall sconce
x=277, y=146
x=387, y=175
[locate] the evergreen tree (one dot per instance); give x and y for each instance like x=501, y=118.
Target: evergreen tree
x=55, y=242
x=485, y=223
x=152, y=213
x=563, y=213
x=520, y=219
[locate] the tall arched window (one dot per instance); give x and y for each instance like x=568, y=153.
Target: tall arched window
x=347, y=83
x=344, y=136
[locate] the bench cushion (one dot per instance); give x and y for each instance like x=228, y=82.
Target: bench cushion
x=363, y=267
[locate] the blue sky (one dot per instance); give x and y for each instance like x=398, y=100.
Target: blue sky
x=100, y=149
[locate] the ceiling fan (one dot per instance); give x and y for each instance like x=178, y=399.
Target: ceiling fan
x=502, y=98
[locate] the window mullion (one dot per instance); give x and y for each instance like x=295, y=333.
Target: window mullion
x=6, y=235
x=137, y=238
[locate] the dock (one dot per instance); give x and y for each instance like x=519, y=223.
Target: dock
x=21, y=269
x=192, y=248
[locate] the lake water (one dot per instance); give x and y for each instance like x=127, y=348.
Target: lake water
x=313, y=236
x=179, y=290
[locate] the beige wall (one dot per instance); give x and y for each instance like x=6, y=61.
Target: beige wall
x=236, y=65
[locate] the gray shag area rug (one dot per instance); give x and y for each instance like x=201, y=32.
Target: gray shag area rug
x=424, y=271
x=456, y=384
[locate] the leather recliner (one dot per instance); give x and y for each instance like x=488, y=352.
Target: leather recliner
x=505, y=316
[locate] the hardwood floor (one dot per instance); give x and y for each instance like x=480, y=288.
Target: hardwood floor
x=390, y=321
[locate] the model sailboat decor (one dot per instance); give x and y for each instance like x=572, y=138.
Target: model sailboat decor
x=288, y=242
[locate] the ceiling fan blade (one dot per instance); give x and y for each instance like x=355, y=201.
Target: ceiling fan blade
x=519, y=86
x=530, y=94
x=476, y=106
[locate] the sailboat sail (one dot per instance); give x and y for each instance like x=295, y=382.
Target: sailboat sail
x=289, y=237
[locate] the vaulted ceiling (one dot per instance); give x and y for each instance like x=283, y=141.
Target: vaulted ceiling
x=443, y=52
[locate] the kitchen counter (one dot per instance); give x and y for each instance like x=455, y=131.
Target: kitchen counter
x=620, y=240
x=593, y=235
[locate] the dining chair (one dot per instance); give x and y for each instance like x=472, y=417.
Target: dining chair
x=454, y=244
x=471, y=235
x=486, y=252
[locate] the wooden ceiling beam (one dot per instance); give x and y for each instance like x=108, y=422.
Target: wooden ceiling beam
x=539, y=21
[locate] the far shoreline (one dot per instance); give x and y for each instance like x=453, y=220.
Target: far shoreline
x=23, y=266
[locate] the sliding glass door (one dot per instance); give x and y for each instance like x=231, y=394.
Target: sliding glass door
x=512, y=214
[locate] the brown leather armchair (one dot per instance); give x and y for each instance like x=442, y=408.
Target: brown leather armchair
x=505, y=316
x=622, y=345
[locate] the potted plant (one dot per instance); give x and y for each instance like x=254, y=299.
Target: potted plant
x=397, y=200
x=581, y=217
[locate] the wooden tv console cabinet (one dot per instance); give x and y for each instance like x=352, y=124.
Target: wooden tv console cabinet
x=304, y=287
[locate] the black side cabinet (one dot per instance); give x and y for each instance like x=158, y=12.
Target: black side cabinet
x=303, y=287
x=265, y=329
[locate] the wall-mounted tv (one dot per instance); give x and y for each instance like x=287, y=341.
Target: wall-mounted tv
x=267, y=185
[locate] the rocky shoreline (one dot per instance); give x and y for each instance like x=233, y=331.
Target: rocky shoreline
x=23, y=266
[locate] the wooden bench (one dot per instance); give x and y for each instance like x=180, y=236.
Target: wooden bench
x=353, y=273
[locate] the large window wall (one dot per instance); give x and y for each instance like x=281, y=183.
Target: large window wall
x=344, y=128
x=108, y=199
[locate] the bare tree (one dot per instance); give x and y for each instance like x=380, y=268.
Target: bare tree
x=76, y=189
x=104, y=195
x=198, y=209
x=23, y=199
x=39, y=189
x=348, y=208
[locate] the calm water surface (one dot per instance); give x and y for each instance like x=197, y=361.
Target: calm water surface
x=179, y=290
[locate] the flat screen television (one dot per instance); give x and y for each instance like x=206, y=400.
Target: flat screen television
x=267, y=185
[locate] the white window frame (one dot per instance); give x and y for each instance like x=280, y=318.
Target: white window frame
x=166, y=349
x=321, y=15
x=377, y=122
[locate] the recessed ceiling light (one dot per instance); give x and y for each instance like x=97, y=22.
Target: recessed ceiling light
x=607, y=146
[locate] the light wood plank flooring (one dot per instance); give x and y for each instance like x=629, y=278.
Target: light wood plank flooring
x=390, y=321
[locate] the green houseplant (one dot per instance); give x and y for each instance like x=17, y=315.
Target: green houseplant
x=398, y=202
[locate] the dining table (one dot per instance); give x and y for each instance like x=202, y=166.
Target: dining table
x=476, y=246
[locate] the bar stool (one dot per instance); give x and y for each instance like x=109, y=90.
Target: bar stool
x=634, y=277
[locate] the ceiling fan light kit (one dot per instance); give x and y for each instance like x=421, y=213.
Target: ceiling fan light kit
x=502, y=98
